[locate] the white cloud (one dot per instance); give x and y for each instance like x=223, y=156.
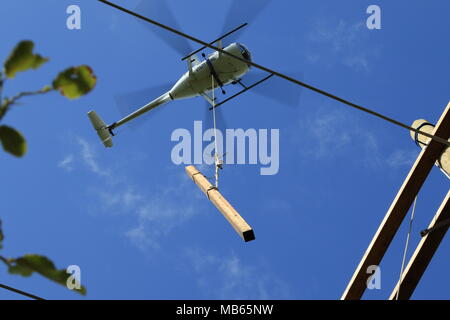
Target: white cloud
x=228, y=277
x=88, y=157
x=332, y=42
x=158, y=210
x=328, y=131
x=335, y=133
x=332, y=134
x=160, y=214
x=401, y=158
x=66, y=163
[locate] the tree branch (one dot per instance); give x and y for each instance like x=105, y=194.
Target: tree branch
x=3, y=259
x=8, y=103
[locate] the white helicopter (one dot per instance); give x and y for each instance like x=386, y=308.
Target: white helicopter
x=202, y=77
x=217, y=70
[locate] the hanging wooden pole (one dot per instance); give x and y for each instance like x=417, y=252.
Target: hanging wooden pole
x=213, y=194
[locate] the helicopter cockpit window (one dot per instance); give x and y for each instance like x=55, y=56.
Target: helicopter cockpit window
x=245, y=52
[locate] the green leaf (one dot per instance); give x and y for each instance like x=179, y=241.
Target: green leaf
x=13, y=141
x=75, y=82
x=22, y=59
x=29, y=263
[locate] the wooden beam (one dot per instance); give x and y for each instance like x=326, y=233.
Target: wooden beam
x=398, y=209
x=423, y=253
x=444, y=159
x=213, y=194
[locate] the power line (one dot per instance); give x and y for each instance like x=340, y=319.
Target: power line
x=26, y=294
x=288, y=78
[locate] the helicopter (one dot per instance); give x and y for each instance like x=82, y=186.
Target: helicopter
x=215, y=71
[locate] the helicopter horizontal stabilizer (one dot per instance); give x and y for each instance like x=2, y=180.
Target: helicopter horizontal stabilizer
x=101, y=128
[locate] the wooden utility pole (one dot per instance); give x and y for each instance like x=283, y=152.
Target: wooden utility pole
x=424, y=252
x=213, y=194
x=443, y=160
x=399, y=208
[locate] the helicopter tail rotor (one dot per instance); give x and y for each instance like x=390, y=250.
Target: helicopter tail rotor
x=103, y=131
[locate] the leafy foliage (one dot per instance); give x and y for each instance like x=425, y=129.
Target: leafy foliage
x=75, y=82
x=72, y=83
x=13, y=141
x=22, y=59
x=29, y=263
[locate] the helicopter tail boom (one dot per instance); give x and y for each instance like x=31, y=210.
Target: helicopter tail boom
x=163, y=99
x=105, y=133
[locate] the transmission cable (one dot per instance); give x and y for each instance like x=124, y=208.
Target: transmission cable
x=288, y=78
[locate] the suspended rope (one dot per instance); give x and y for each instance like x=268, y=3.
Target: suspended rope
x=406, y=248
x=216, y=154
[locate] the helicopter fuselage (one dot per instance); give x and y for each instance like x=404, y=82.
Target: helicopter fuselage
x=221, y=68
x=217, y=70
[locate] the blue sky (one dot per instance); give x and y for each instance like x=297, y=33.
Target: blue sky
x=140, y=229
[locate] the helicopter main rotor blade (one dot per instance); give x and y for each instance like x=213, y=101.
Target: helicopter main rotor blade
x=276, y=89
x=208, y=118
x=159, y=9
x=242, y=11
x=131, y=101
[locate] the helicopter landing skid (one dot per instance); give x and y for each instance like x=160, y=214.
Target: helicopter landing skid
x=242, y=91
